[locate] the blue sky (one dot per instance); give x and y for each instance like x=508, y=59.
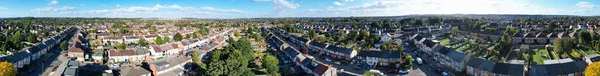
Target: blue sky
x=287, y=8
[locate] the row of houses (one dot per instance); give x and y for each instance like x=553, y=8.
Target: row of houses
x=523, y=37
x=34, y=53
x=303, y=63
x=372, y=57
x=482, y=67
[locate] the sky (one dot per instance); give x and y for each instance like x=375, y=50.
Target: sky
x=287, y=8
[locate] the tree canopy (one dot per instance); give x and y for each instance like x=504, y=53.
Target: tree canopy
x=231, y=59
x=593, y=69
x=64, y=45
x=271, y=62
x=7, y=69
x=178, y=37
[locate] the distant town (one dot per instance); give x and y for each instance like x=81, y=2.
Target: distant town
x=410, y=45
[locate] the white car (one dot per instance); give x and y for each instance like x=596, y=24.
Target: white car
x=445, y=74
x=419, y=60
x=403, y=71
x=337, y=62
x=327, y=59
x=377, y=72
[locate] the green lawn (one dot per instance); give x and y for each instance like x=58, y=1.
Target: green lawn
x=537, y=56
x=445, y=42
x=160, y=58
x=575, y=55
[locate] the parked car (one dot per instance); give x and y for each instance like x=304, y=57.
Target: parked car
x=327, y=59
x=445, y=74
x=419, y=60
x=377, y=72
x=404, y=71
x=393, y=71
x=337, y=62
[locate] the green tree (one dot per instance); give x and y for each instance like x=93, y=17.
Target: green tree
x=166, y=40
x=32, y=38
x=7, y=69
x=454, y=30
x=178, y=37
x=563, y=46
x=237, y=33
x=158, y=40
x=271, y=62
x=407, y=63
x=64, y=45
x=312, y=34
x=585, y=38
x=142, y=42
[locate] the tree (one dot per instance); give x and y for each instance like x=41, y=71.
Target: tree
x=32, y=38
x=142, y=42
x=585, y=38
x=166, y=40
x=563, y=46
x=593, y=69
x=7, y=69
x=271, y=62
x=178, y=37
x=312, y=33
x=121, y=46
x=236, y=33
x=64, y=45
x=454, y=30
x=158, y=40
x=407, y=62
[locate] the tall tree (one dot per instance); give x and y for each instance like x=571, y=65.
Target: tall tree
x=142, y=42
x=158, y=40
x=178, y=37
x=271, y=62
x=7, y=69
x=32, y=38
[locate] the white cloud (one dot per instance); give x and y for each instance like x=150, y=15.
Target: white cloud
x=338, y=3
x=348, y=0
x=118, y=5
x=388, y=7
x=55, y=10
x=586, y=5
x=138, y=9
x=53, y=2
x=2, y=8
x=282, y=5
x=177, y=7
x=222, y=10
x=260, y=0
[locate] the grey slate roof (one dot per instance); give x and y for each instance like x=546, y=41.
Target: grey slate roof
x=509, y=69
x=380, y=54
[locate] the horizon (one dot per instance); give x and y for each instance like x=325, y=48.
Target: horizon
x=236, y=9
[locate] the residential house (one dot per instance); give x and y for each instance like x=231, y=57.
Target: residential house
x=507, y=69
x=529, y=38
x=130, y=54
x=380, y=58
x=450, y=57
x=479, y=67
x=541, y=38
x=317, y=69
